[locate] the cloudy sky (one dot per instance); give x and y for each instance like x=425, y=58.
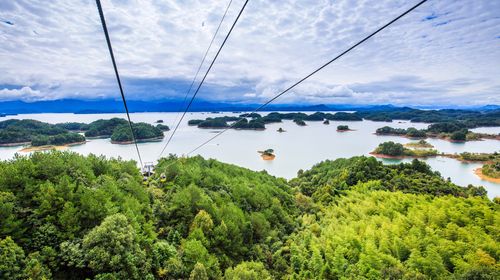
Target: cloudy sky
x=445, y=52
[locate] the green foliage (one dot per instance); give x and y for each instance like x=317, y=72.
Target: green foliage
x=409, y=132
x=461, y=118
x=104, y=128
x=422, y=144
x=389, y=235
x=142, y=131
x=195, y=122
x=73, y=126
x=299, y=122
x=11, y=259
x=251, y=115
x=113, y=247
x=162, y=127
x=37, y=133
x=252, y=124
x=396, y=149
x=390, y=148
x=460, y=135
x=199, y=272
x=342, y=128
x=213, y=123
x=248, y=271
x=492, y=169
x=66, y=216
x=343, y=116
x=330, y=178
x=484, y=157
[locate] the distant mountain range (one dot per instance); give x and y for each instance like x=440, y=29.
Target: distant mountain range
x=116, y=106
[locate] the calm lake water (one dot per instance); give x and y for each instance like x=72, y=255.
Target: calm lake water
x=297, y=148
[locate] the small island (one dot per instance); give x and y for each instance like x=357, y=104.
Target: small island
x=299, y=122
x=490, y=172
x=254, y=121
x=143, y=132
x=450, y=131
x=159, y=121
x=343, y=128
x=267, y=154
x=281, y=130
x=422, y=144
x=391, y=149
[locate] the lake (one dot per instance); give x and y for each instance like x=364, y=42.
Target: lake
x=297, y=148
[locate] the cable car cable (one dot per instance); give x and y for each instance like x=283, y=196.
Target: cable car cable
x=202, y=62
x=312, y=73
x=204, y=77
x=110, y=48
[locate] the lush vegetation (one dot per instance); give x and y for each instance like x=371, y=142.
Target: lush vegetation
x=409, y=132
x=257, y=121
x=213, y=123
x=398, y=150
x=343, y=128
x=454, y=131
x=36, y=133
x=163, y=127
x=343, y=116
x=492, y=169
x=252, y=124
x=481, y=157
x=467, y=118
x=299, y=122
x=104, y=128
x=142, y=131
x=422, y=144
x=66, y=216
x=370, y=234
x=74, y=126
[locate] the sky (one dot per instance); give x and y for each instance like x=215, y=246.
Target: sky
x=445, y=52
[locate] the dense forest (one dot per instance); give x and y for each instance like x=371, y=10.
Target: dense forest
x=142, y=131
x=454, y=131
x=469, y=118
x=390, y=148
x=67, y=216
x=36, y=133
x=39, y=133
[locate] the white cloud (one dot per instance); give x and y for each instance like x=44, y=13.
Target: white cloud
x=25, y=93
x=274, y=44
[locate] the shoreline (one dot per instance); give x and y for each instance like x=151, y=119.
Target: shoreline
x=482, y=137
x=345, y=130
x=15, y=144
x=479, y=173
x=50, y=147
x=156, y=139
x=267, y=157
x=400, y=157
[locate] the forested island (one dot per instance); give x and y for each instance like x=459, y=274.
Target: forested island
x=67, y=216
x=343, y=128
x=40, y=134
x=452, y=131
x=397, y=150
x=450, y=125
x=470, y=118
x=36, y=133
x=143, y=132
x=254, y=121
